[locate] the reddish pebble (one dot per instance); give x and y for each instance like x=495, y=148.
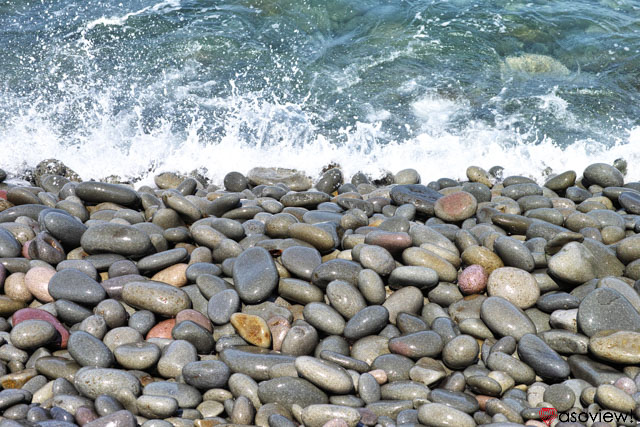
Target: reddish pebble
x=34, y=313
x=3, y=194
x=195, y=317
x=25, y=249
x=162, y=329
x=394, y=242
x=279, y=326
x=473, y=280
x=482, y=400
x=456, y=206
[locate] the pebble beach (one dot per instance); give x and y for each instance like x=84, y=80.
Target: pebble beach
x=277, y=299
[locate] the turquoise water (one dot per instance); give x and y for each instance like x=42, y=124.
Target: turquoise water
x=125, y=88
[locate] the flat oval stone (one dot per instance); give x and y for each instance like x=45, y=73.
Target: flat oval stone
x=325, y=375
x=611, y=397
x=255, y=275
x=315, y=235
x=425, y=258
x=162, y=259
x=139, y=355
x=368, y=321
x=206, y=374
x=288, y=391
x=299, y=291
x=93, y=382
x=617, y=347
x=417, y=344
x=456, y=206
x=605, y=309
x=156, y=406
x=504, y=318
x=32, y=334
x=515, y=285
x=76, y=286
x=301, y=261
x=461, y=401
x=66, y=228
x=377, y=259
x=324, y=318
x=421, y=277
x=255, y=365
x=335, y=269
x=345, y=298
x=117, y=239
x=88, y=350
x=543, y=359
x=437, y=414
x=156, y=297
x=515, y=368
x=97, y=192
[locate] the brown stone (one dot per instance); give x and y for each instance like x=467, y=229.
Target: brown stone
x=162, y=329
x=252, y=328
x=175, y=275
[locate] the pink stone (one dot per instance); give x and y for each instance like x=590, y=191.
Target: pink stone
x=37, y=281
x=162, y=329
x=25, y=249
x=196, y=317
x=3, y=194
x=627, y=385
x=455, y=206
x=394, y=242
x=34, y=313
x=473, y=280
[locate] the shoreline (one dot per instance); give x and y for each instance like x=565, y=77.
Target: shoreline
x=272, y=298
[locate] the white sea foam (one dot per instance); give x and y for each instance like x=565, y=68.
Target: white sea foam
x=163, y=6
x=257, y=132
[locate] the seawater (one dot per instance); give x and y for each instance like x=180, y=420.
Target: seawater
x=137, y=87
